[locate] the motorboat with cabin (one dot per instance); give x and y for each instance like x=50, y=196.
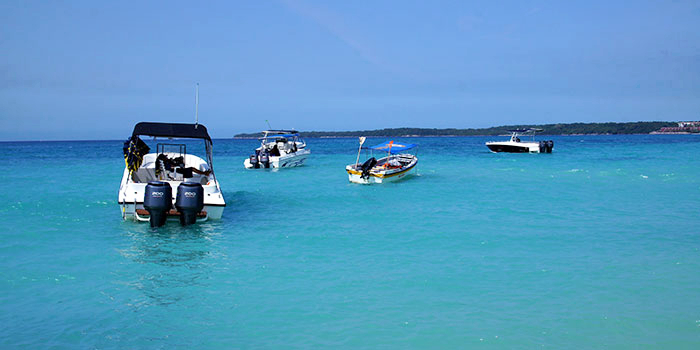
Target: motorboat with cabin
x=278, y=149
x=515, y=145
x=170, y=182
x=396, y=165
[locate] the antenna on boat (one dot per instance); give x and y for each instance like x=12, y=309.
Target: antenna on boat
x=268, y=124
x=196, y=106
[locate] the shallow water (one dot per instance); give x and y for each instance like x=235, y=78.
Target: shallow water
x=593, y=246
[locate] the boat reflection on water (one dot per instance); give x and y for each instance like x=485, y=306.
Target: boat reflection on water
x=170, y=264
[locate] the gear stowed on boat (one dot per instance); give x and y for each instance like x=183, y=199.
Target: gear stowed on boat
x=278, y=149
x=515, y=145
x=169, y=183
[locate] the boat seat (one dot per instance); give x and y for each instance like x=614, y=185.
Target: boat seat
x=144, y=175
x=201, y=179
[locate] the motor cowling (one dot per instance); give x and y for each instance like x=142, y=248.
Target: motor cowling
x=254, y=161
x=550, y=146
x=543, y=146
x=189, y=202
x=158, y=200
x=265, y=160
x=367, y=166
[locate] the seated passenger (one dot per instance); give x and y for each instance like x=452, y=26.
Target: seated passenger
x=178, y=165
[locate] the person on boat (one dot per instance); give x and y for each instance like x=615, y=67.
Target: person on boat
x=177, y=164
x=274, y=151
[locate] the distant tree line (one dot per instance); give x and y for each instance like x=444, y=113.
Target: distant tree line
x=548, y=129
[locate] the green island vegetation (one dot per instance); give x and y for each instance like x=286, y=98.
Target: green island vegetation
x=548, y=129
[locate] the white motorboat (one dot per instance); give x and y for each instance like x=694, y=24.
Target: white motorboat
x=169, y=183
x=278, y=149
x=515, y=145
x=395, y=166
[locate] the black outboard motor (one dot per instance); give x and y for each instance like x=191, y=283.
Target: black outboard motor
x=265, y=160
x=254, y=161
x=189, y=202
x=550, y=146
x=543, y=146
x=158, y=200
x=367, y=166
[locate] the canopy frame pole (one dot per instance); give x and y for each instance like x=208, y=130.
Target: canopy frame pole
x=388, y=156
x=359, y=149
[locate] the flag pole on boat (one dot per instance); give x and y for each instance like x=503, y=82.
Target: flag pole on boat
x=388, y=156
x=196, y=106
x=362, y=140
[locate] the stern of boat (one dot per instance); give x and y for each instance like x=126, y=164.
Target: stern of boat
x=131, y=196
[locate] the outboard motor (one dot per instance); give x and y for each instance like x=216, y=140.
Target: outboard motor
x=254, y=161
x=543, y=146
x=158, y=200
x=367, y=166
x=189, y=201
x=265, y=160
x=550, y=146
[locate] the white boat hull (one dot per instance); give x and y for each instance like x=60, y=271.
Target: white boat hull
x=513, y=147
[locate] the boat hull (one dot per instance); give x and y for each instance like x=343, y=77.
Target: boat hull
x=513, y=147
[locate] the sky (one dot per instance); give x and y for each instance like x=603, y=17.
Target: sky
x=84, y=70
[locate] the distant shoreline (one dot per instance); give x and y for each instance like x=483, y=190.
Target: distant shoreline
x=629, y=128
x=571, y=129
x=447, y=136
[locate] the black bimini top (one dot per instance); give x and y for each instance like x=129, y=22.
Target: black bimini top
x=174, y=130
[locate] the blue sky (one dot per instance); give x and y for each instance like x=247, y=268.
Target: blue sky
x=92, y=69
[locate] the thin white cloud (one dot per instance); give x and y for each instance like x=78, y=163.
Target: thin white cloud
x=335, y=24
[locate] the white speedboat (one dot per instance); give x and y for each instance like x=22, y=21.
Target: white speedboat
x=169, y=183
x=278, y=149
x=515, y=145
x=395, y=166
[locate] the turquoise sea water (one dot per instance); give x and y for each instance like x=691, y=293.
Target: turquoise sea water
x=593, y=246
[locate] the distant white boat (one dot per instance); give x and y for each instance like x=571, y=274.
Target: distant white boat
x=515, y=145
x=395, y=166
x=278, y=149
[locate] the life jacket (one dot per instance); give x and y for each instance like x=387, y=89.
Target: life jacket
x=134, y=150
